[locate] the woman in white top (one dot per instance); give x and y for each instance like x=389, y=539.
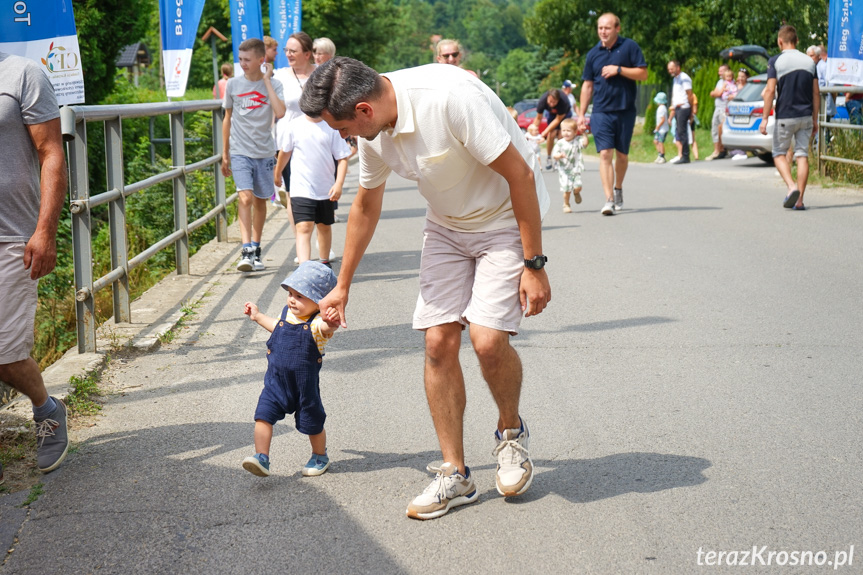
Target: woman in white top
x=298, y=50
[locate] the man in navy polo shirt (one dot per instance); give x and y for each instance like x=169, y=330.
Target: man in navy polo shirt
x=793, y=80
x=611, y=70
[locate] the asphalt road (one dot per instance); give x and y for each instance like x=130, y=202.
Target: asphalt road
x=693, y=387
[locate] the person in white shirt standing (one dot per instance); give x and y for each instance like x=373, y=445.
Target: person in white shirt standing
x=681, y=103
x=482, y=264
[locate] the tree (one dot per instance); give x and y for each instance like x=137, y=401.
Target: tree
x=359, y=29
x=104, y=28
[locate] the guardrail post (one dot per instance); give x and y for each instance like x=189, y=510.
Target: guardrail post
x=219, y=185
x=117, y=218
x=82, y=238
x=181, y=220
x=822, y=132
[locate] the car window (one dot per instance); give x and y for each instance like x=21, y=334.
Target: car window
x=750, y=92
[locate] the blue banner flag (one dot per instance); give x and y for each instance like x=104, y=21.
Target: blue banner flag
x=845, y=43
x=285, y=19
x=179, y=22
x=44, y=31
x=246, y=22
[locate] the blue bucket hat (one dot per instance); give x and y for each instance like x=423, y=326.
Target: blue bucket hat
x=312, y=279
x=661, y=98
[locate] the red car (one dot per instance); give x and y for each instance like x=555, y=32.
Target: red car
x=527, y=117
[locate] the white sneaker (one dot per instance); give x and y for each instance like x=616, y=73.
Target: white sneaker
x=448, y=489
x=674, y=160
x=618, y=199
x=739, y=157
x=608, y=209
x=297, y=260
x=336, y=218
x=514, y=467
x=246, y=264
x=332, y=255
x=661, y=160
x=257, y=264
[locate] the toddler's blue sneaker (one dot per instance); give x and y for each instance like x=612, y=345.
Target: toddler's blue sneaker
x=316, y=465
x=258, y=464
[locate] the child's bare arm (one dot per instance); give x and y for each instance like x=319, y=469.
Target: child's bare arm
x=284, y=158
x=328, y=326
x=265, y=321
x=341, y=172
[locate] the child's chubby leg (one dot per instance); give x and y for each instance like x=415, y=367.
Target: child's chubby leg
x=576, y=193
x=320, y=461
x=566, y=208
x=259, y=464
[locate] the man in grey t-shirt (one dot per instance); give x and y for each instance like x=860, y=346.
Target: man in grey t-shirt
x=32, y=191
x=251, y=102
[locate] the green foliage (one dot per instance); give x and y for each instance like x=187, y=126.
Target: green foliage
x=84, y=389
x=690, y=31
x=845, y=144
x=35, y=492
x=104, y=28
x=360, y=29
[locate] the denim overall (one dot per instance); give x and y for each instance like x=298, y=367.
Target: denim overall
x=292, y=382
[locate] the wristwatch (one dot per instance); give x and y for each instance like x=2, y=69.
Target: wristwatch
x=618, y=70
x=536, y=262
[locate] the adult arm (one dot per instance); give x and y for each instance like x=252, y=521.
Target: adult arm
x=226, y=143
x=534, y=289
x=637, y=74
x=718, y=90
x=586, y=95
x=767, y=95
x=365, y=213
x=552, y=125
x=816, y=105
x=40, y=254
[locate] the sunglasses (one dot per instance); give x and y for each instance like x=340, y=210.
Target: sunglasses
x=450, y=55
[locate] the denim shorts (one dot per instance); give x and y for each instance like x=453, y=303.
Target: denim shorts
x=660, y=136
x=254, y=174
x=798, y=129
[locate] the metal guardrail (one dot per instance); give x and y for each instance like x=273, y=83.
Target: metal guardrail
x=824, y=126
x=74, y=121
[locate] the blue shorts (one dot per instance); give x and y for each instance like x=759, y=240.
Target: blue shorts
x=613, y=130
x=660, y=136
x=254, y=174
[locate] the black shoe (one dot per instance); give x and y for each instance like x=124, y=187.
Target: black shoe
x=722, y=155
x=683, y=161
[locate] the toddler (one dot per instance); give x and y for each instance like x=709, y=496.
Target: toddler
x=662, y=126
x=294, y=357
x=570, y=164
x=534, y=140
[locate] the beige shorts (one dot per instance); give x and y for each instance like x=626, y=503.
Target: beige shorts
x=470, y=278
x=18, y=297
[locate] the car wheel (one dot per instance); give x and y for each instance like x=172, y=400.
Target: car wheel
x=766, y=157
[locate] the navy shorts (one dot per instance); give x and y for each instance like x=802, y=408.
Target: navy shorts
x=318, y=211
x=613, y=130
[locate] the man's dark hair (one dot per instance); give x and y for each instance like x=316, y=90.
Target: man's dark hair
x=337, y=86
x=788, y=34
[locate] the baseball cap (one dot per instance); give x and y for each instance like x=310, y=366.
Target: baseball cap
x=312, y=279
x=567, y=84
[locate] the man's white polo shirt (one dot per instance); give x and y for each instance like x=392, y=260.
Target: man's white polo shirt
x=450, y=127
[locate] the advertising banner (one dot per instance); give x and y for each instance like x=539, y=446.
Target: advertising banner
x=845, y=43
x=179, y=22
x=44, y=31
x=246, y=22
x=285, y=19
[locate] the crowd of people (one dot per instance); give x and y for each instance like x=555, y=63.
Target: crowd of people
x=289, y=132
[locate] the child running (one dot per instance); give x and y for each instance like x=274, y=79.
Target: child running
x=570, y=164
x=534, y=140
x=294, y=352
x=314, y=188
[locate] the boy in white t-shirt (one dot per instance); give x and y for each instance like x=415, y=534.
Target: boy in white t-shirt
x=314, y=187
x=662, y=126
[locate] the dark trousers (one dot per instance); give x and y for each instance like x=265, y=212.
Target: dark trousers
x=682, y=116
